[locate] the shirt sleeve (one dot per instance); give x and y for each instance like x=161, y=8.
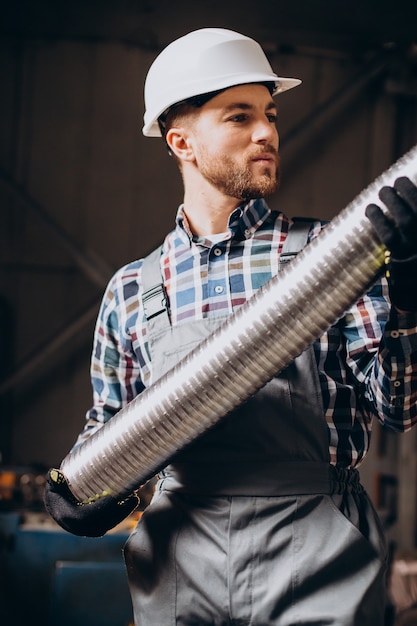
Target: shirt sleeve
x=115, y=369
x=382, y=354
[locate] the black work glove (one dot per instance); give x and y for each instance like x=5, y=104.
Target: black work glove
x=398, y=231
x=90, y=519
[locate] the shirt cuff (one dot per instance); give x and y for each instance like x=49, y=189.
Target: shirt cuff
x=401, y=332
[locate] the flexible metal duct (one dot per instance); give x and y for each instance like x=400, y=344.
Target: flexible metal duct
x=280, y=321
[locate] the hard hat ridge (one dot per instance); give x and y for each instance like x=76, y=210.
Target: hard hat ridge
x=204, y=61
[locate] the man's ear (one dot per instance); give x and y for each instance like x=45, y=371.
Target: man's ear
x=179, y=144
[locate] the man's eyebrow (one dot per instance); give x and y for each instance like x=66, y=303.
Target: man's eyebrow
x=272, y=105
x=245, y=106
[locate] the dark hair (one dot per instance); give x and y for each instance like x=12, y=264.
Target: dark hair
x=195, y=102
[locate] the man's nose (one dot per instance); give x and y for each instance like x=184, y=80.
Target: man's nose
x=265, y=132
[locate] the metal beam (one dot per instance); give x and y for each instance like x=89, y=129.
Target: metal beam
x=337, y=102
x=93, y=266
x=45, y=353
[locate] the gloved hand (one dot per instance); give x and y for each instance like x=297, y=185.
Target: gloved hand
x=91, y=519
x=398, y=231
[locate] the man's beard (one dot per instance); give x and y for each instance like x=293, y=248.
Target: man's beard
x=239, y=180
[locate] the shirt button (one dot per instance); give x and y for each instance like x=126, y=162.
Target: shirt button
x=218, y=289
x=395, y=334
x=217, y=251
x=397, y=383
x=247, y=232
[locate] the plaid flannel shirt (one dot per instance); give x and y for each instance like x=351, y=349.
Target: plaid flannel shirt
x=367, y=362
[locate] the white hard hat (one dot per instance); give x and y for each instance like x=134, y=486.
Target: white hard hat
x=201, y=62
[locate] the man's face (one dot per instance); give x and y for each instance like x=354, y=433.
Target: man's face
x=236, y=142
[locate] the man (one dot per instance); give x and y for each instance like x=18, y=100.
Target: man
x=225, y=539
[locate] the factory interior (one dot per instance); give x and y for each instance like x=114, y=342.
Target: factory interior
x=83, y=192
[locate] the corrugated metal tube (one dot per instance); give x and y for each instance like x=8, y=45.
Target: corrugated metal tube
x=280, y=321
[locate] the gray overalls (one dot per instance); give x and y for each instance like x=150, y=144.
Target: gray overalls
x=251, y=525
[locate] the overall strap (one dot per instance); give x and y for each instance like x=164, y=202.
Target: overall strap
x=296, y=239
x=154, y=297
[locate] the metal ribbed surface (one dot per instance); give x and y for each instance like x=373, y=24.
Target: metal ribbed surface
x=261, y=339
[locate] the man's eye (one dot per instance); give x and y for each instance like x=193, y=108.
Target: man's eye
x=241, y=117
x=272, y=118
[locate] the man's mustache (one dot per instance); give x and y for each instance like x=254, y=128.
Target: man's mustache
x=265, y=150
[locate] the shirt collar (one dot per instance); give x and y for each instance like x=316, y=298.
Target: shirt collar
x=243, y=221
